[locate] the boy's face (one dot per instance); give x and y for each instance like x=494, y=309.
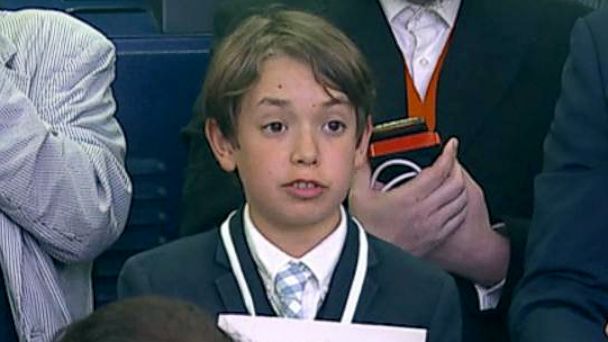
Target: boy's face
x=297, y=148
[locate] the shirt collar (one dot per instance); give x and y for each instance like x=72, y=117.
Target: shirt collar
x=446, y=9
x=321, y=260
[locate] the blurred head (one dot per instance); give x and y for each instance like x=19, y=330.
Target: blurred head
x=145, y=319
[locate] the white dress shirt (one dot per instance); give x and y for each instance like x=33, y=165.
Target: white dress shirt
x=421, y=33
x=321, y=260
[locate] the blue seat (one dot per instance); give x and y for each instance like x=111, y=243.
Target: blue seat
x=118, y=20
x=113, y=17
x=185, y=16
x=17, y=4
x=157, y=81
x=65, y=4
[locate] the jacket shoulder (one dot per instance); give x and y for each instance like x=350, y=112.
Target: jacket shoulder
x=180, y=253
x=403, y=268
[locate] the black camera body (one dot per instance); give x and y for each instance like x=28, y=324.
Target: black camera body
x=400, y=149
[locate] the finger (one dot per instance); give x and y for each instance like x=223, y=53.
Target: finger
x=444, y=222
x=476, y=192
x=453, y=187
x=446, y=158
x=432, y=177
x=439, y=205
x=452, y=215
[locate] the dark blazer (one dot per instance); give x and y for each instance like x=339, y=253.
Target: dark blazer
x=564, y=293
x=496, y=93
x=398, y=289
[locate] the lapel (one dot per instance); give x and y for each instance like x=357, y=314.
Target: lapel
x=488, y=46
x=370, y=285
x=341, y=280
x=226, y=283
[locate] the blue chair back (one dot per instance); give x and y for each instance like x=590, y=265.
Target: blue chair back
x=157, y=82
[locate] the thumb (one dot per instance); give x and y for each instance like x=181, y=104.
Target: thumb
x=452, y=147
x=444, y=163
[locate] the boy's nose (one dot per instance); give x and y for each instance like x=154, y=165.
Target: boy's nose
x=305, y=150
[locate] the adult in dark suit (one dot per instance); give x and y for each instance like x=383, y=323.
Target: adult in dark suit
x=564, y=293
x=496, y=93
x=398, y=289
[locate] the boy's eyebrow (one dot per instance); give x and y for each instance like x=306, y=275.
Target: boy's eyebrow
x=273, y=101
x=278, y=102
x=336, y=100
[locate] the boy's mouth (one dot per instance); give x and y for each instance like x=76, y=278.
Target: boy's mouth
x=304, y=189
x=304, y=185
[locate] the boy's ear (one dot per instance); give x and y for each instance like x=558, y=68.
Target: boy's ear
x=223, y=149
x=361, y=151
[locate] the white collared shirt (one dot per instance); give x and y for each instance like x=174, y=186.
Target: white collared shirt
x=421, y=33
x=321, y=260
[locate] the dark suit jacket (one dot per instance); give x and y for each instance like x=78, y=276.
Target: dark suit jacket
x=398, y=289
x=564, y=293
x=496, y=94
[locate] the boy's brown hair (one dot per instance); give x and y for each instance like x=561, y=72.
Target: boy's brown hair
x=334, y=59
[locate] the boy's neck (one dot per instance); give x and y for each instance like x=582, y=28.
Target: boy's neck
x=297, y=241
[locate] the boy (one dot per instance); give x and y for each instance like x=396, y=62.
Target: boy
x=287, y=101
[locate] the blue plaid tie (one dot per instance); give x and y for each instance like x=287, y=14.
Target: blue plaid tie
x=289, y=286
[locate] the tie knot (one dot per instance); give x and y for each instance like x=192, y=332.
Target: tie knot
x=289, y=285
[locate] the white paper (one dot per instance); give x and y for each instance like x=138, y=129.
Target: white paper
x=242, y=328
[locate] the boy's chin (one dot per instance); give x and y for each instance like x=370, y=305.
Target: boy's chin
x=307, y=219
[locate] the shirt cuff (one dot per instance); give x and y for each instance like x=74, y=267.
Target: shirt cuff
x=489, y=296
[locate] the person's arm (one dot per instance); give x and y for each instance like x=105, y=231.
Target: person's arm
x=564, y=293
x=62, y=175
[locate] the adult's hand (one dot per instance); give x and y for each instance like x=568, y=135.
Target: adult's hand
x=419, y=215
x=474, y=250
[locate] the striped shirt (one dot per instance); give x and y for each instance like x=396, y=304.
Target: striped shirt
x=64, y=191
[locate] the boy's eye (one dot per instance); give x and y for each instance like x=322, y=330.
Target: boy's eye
x=334, y=126
x=274, y=127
